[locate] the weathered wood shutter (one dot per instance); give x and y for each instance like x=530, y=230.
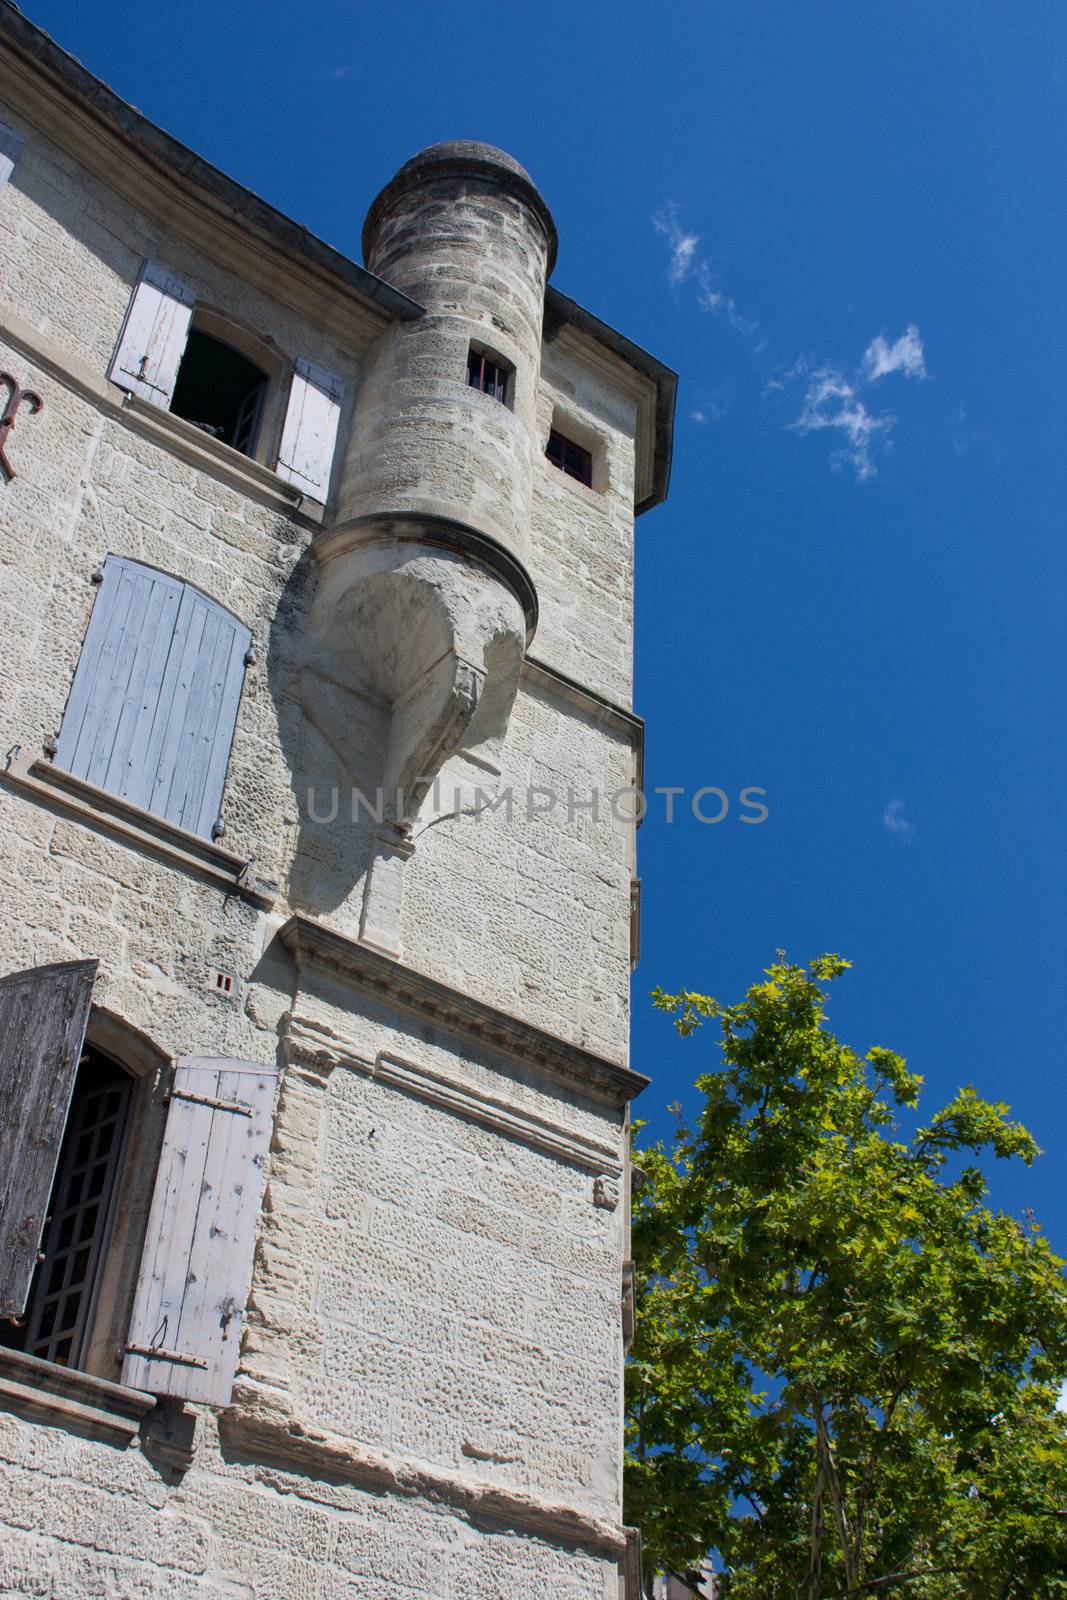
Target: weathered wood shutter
x=43, y=1015
x=153, y=335
x=10, y=145
x=188, y=1311
x=310, y=432
x=153, y=705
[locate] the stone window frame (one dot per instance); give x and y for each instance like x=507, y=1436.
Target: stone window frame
x=487, y=354
x=110, y=1293
x=264, y=353
x=576, y=430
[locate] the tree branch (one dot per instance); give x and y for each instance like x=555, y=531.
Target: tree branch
x=837, y=1498
x=868, y=1476
x=897, y=1577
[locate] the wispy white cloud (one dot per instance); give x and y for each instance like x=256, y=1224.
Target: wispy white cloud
x=681, y=245
x=895, y=822
x=685, y=261
x=834, y=399
x=830, y=401
x=904, y=355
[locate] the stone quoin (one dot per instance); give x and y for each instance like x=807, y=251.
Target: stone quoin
x=314, y=1197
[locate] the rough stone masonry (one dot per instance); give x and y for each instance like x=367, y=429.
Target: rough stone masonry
x=314, y=1079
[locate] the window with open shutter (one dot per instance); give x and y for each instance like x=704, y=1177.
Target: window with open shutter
x=153, y=335
x=310, y=432
x=196, y=1270
x=154, y=701
x=43, y=1015
x=10, y=145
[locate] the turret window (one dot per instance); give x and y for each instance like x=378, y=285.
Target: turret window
x=570, y=458
x=488, y=373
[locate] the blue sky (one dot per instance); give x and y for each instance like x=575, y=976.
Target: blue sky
x=843, y=224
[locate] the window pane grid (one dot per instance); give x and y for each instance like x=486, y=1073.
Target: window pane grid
x=59, y=1301
x=570, y=458
x=490, y=376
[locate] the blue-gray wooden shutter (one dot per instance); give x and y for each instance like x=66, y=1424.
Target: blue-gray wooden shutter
x=153, y=705
x=309, y=435
x=10, y=145
x=154, y=334
x=43, y=1015
x=185, y=1332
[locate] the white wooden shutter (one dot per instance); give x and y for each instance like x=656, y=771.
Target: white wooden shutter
x=153, y=335
x=43, y=1013
x=310, y=432
x=188, y=1311
x=153, y=705
x=10, y=145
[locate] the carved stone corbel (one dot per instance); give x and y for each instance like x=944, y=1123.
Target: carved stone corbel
x=417, y=637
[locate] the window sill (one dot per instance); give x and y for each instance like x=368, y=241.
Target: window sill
x=40, y=1391
x=201, y=450
x=100, y=809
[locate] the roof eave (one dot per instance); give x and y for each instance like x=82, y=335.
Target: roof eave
x=561, y=311
x=178, y=160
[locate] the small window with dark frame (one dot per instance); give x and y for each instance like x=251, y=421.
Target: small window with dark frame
x=488, y=373
x=570, y=458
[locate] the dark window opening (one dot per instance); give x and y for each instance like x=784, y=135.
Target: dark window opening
x=60, y=1304
x=221, y=391
x=487, y=374
x=570, y=458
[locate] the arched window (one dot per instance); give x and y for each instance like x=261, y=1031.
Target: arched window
x=220, y=390
x=125, y=1237
x=153, y=705
x=232, y=383
x=57, y=1319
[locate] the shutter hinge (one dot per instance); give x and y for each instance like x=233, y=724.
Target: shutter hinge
x=250, y=656
x=206, y=1100
x=156, y=1352
x=218, y=828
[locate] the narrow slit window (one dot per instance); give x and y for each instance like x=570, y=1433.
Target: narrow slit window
x=488, y=374
x=570, y=458
x=220, y=391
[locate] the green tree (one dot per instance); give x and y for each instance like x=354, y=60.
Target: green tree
x=846, y=1365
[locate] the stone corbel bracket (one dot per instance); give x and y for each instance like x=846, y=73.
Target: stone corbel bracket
x=431, y=619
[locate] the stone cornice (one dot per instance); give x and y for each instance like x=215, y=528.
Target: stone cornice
x=429, y=523
x=443, y=1007
x=261, y=1424
x=312, y=1045
x=604, y=348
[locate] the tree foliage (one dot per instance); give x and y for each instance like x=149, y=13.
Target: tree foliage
x=846, y=1365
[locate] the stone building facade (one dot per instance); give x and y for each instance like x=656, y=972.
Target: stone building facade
x=318, y=900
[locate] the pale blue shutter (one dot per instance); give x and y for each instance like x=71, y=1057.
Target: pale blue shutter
x=10, y=145
x=188, y=1310
x=154, y=701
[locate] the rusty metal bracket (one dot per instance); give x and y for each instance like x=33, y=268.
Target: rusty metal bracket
x=15, y=399
x=237, y=1106
x=156, y=1352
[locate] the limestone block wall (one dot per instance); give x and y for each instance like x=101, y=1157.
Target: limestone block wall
x=90, y=1521
x=429, y=1395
